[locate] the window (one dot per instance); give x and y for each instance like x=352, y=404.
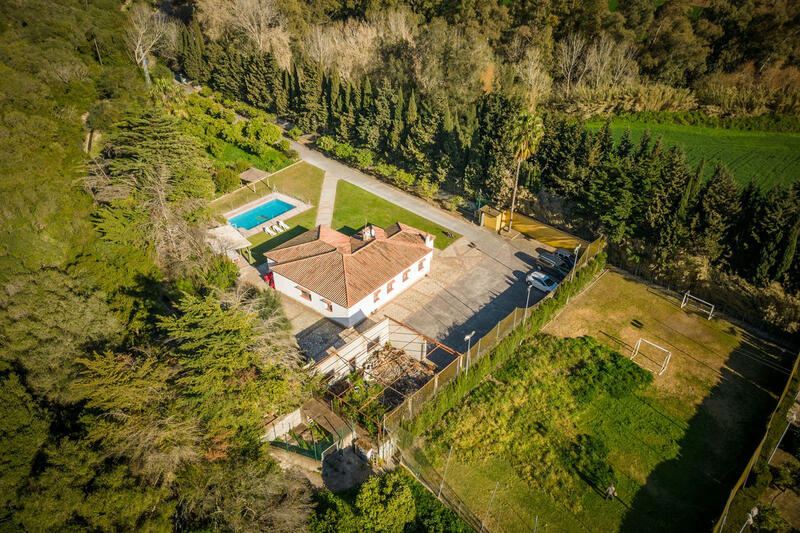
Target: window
x=328, y=305
x=376, y=296
x=304, y=293
x=405, y=275
x=390, y=287
x=421, y=265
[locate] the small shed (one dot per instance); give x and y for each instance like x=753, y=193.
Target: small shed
x=491, y=218
x=253, y=175
x=226, y=240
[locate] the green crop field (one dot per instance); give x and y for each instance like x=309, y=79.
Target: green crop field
x=769, y=158
x=566, y=416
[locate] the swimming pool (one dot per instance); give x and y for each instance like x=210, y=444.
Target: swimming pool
x=260, y=214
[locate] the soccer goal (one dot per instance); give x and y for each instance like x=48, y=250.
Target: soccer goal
x=696, y=303
x=637, y=350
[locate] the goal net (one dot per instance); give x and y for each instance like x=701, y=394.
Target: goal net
x=693, y=302
x=652, y=357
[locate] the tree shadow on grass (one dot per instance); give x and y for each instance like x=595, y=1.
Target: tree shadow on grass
x=688, y=492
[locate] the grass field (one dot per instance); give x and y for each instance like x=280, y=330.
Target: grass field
x=769, y=158
x=355, y=207
x=676, y=447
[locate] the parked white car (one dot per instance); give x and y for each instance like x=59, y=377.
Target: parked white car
x=541, y=281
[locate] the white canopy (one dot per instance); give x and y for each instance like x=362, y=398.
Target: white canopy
x=225, y=238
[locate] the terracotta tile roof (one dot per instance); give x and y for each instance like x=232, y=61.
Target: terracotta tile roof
x=343, y=269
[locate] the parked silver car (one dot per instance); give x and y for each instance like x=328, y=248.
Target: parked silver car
x=541, y=281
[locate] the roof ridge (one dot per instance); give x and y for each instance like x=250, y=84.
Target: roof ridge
x=344, y=275
x=306, y=257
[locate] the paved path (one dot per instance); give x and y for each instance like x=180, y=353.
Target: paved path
x=489, y=242
x=326, y=200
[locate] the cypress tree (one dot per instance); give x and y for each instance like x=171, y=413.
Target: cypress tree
x=258, y=81
x=717, y=210
x=398, y=123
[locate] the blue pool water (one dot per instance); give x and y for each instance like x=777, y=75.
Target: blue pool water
x=260, y=214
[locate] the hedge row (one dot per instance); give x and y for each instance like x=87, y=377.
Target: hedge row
x=450, y=395
x=367, y=161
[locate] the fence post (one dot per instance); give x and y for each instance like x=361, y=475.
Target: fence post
x=483, y=522
x=515, y=317
x=447, y=464
x=479, y=346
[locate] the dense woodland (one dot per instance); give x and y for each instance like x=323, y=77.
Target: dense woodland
x=136, y=374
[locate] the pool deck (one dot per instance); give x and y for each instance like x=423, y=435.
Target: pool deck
x=298, y=208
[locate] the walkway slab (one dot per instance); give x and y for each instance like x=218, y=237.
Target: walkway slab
x=327, y=199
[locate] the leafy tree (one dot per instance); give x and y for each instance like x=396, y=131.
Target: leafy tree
x=226, y=180
x=385, y=503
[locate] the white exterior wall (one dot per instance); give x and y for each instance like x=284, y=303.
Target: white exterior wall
x=364, y=308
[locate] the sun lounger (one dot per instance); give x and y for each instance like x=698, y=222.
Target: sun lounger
x=283, y=224
x=276, y=228
x=269, y=231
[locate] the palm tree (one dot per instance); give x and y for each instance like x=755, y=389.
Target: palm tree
x=526, y=135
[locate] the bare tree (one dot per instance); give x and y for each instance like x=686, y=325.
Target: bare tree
x=609, y=63
x=570, y=61
x=264, y=25
x=349, y=46
x=532, y=74
x=147, y=29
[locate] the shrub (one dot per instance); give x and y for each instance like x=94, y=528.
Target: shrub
x=206, y=91
x=332, y=515
x=215, y=146
x=292, y=154
x=426, y=188
x=385, y=170
x=363, y=158
x=284, y=146
x=240, y=166
x=295, y=133
x=326, y=143
x=455, y=202
x=770, y=519
x=226, y=180
x=343, y=151
x=229, y=116
x=403, y=179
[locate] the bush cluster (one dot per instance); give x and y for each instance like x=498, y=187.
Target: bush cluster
x=367, y=161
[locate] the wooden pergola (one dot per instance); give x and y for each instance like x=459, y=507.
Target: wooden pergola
x=253, y=175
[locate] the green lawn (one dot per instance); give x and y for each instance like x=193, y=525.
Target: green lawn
x=272, y=161
x=769, y=158
x=355, y=207
x=675, y=447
